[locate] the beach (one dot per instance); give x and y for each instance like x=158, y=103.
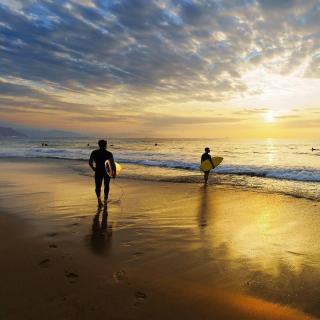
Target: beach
x=156, y=250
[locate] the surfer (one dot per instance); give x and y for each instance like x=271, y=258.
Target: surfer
x=99, y=157
x=204, y=157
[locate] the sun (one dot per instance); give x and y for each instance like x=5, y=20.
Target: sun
x=269, y=117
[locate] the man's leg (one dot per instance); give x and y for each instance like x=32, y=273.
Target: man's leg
x=106, y=186
x=98, y=180
x=206, y=177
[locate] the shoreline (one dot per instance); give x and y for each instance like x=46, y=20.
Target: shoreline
x=163, y=247
x=196, y=178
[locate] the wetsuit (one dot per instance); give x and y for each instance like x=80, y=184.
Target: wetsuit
x=100, y=156
x=205, y=156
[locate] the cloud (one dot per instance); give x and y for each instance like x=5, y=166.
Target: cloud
x=304, y=123
x=17, y=90
x=176, y=120
x=252, y=111
x=135, y=52
x=276, y=4
x=133, y=42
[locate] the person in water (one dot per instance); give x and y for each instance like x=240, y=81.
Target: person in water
x=204, y=157
x=102, y=157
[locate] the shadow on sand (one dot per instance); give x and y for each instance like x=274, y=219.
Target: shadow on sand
x=101, y=233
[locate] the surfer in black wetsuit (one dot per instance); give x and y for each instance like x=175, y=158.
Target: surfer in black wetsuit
x=204, y=157
x=99, y=157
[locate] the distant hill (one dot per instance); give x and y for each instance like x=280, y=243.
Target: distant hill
x=39, y=133
x=10, y=133
x=8, y=129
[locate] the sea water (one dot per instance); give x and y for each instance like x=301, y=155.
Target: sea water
x=270, y=165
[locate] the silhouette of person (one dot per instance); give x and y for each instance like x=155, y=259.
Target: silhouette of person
x=100, y=231
x=206, y=156
x=100, y=157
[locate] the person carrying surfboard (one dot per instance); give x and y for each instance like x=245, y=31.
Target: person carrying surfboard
x=204, y=157
x=99, y=157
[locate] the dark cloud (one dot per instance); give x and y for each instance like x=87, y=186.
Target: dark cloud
x=11, y=89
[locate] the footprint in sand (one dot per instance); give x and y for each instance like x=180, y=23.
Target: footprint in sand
x=119, y=276
x=44, y=263
x=114, y=201
x=295, y=253
x=253, y=283
x=52, y=234
x=73, y=277
x=137, y=254
x=72, y=225
x=126, y=244
x=140, y=297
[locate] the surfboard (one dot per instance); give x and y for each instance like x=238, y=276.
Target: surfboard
x=109, y=170
x=206, y=165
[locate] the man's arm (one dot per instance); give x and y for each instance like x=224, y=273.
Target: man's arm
x=91, y=162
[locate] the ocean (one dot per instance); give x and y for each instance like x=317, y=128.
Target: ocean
x=269, y=165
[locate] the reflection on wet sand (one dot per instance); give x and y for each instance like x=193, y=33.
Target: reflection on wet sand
x=289, y=287
x=204, y=207
x=260, y=251
x=101, y=232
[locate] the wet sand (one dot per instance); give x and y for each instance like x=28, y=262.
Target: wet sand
x=157, y=250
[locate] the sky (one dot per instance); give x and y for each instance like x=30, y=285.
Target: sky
x=170, y=68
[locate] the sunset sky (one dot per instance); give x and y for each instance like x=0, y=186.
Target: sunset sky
x=150, y=68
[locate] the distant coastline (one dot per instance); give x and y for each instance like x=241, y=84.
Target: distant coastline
x=6, y=132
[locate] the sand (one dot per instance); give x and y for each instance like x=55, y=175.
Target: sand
x=157, y=250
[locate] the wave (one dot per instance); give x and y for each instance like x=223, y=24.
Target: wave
x=293, y=174
x=74, y=154
x=152, y=160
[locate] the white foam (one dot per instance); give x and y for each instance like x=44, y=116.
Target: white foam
x=164, y=160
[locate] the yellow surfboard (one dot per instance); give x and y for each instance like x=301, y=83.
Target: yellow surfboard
x=207, y=166
x=109, y=169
